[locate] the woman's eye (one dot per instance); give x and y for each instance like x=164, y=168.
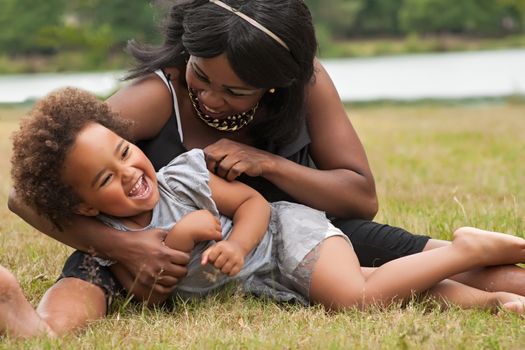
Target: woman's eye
x=200, y=76
x=236, y=94
x=125, y=152
x=105, y=181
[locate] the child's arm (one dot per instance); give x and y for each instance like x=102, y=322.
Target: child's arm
x=250, y=213
x=200, y=225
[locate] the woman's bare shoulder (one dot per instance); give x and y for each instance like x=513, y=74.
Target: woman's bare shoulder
x=147, y=102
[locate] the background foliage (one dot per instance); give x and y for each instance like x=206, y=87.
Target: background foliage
x=91, y=34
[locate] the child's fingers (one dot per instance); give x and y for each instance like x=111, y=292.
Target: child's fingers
x=209, y=255
x=227, y=267
x=205, y=256
x=235, y=270
x=220, y=260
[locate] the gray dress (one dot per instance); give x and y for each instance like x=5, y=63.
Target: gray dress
x=276, y=268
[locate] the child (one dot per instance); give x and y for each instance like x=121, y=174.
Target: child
x=68, y=159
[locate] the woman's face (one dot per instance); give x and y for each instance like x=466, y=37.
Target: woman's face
x=220, y=91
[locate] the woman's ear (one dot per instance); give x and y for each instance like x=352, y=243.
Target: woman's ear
x=86, y=210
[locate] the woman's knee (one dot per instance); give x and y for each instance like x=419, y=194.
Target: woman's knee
x=70, y=304
x=9, y=286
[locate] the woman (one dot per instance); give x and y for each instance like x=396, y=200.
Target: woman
x=241, y=82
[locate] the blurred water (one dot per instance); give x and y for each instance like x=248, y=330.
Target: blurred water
x=407, y=77
x=24, y=87
x=439, y=76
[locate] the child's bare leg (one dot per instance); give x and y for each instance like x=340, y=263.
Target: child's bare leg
x=495, y=248
x=346, y=286
x=507, y=278
x=17, y=317
x=200, y=225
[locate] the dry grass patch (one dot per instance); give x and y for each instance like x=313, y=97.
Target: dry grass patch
x=436, y=168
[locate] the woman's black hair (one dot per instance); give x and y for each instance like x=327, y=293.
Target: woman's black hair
x=204, y=29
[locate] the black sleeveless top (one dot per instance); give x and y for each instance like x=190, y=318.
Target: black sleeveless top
x=167, y=144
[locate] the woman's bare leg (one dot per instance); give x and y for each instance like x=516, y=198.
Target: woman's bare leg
x=17, y=317
x=398, y=279
x=68, y=305
x=449, y=292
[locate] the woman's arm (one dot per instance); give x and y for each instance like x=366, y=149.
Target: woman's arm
x=142, y=253
x=250, y=213
x=342, y=185
x=146, y=102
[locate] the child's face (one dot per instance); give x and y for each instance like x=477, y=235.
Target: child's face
x=109, y=174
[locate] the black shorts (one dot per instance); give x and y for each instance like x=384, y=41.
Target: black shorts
x=376, y=244
x=83, y=266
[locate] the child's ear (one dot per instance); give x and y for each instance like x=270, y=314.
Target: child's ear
x=86, y=210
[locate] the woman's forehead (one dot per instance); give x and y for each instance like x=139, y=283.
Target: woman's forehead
x=219, y=70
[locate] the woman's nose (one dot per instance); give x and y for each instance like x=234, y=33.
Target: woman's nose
x=211, y=99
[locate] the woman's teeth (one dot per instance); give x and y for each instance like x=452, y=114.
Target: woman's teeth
x=211, y=110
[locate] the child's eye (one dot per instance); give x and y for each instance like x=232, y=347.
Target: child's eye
x=125, y=152
x=106, y=180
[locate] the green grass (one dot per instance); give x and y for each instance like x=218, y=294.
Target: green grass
x=436, y=167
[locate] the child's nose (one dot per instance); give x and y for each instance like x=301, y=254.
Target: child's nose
x=128, y=174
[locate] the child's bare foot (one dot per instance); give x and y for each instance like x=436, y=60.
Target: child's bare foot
x=491, y=248
x=17, y=317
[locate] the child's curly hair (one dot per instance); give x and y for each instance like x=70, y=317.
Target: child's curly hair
x=42, y=143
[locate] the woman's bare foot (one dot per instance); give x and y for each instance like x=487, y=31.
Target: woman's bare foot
x=511, y=302
x=490, y=248
x=17, y=317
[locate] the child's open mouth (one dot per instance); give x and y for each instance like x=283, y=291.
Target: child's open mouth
x=141, y=188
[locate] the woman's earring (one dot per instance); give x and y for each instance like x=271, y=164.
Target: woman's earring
x=271, y=91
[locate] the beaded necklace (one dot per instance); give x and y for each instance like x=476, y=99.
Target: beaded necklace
x=232, y=122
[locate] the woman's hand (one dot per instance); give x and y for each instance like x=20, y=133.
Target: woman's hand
x=146, y=258
x=229, y=159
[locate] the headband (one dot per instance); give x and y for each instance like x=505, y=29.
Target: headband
x=252, y=22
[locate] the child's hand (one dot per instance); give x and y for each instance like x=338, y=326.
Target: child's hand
x=200, y=225
x=226, y=256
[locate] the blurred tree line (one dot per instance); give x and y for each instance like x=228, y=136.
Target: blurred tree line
x=97, y=29
x=365, y=18
x=90, y=25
